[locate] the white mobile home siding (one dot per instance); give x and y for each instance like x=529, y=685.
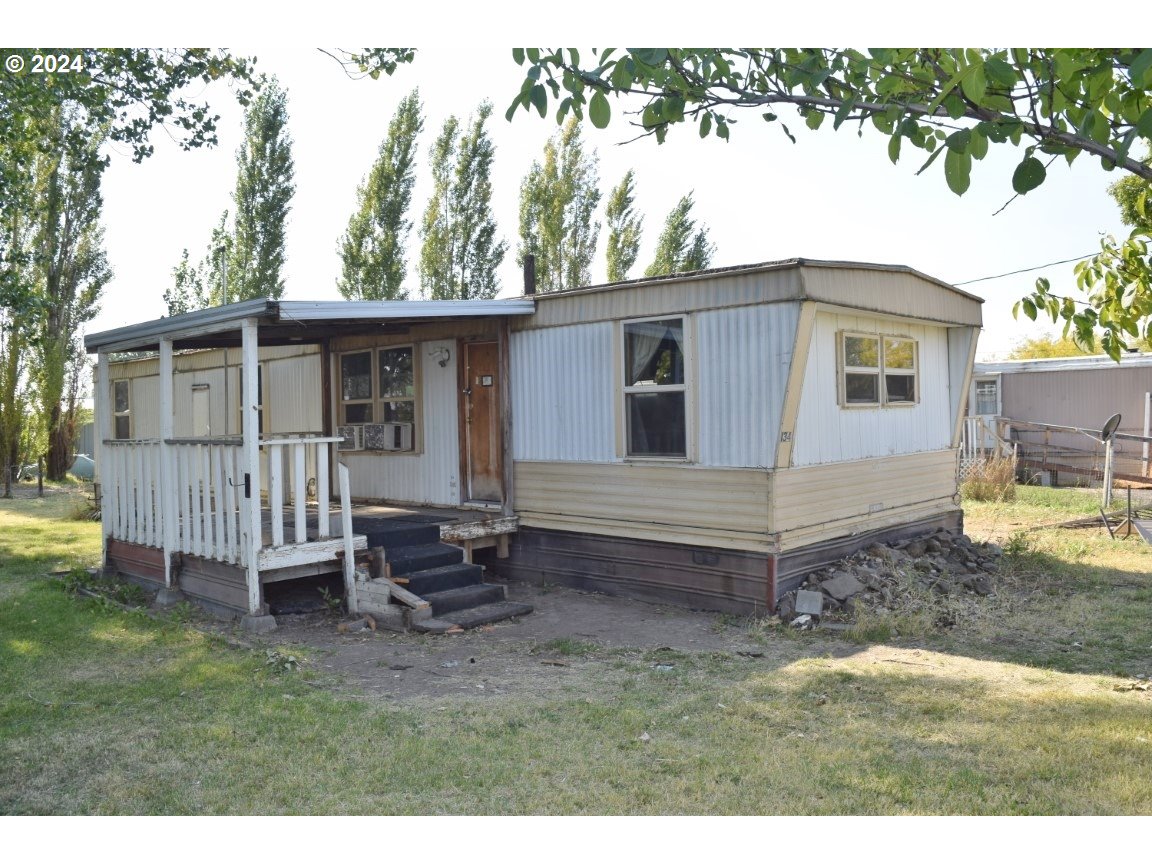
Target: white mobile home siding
x=563, y=385
x=566, y=400
x=826, y=432
x=430, y=476
x=742, y=362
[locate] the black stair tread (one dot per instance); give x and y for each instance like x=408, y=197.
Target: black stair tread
x=477, y=616
x=411, y=559
x=463, y=598
x=395, y=535
x=444, y=578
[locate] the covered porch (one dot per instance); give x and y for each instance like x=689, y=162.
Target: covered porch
x=216, y=517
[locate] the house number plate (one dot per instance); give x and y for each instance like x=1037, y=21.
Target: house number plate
x=485, y=380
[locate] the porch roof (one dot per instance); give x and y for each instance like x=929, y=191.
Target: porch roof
x=295, y=321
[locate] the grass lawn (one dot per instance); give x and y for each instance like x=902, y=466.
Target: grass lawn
x=1015, y=710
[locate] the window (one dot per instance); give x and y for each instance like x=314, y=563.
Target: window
x=655, y=389
x=987, y=397
x=877, y=371
x=121, y=410
x=378, y=391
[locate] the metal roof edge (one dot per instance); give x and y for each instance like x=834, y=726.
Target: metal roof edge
x=744, y=269
x=1063, y=364
x=341, y=310
x=215, y=316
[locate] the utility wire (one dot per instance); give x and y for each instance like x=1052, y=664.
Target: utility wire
x=1025, y=270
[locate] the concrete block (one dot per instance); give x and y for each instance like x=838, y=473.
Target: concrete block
x=258, y=623
x=809, y=602
x=166, y=597
x=845, y=585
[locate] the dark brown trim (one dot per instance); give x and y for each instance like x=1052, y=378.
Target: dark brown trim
x=130, y=559
x=462, y=420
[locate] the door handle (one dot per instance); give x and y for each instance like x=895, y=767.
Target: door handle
x=467, y=391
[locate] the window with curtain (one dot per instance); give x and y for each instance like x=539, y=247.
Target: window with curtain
x=655, y=388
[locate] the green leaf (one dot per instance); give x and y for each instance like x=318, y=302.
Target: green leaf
x=533, y=54
x=894, y=148
x=974, y=84
x=959, y=141
x=931, y=159
x=978, y=145
x=599, y=111
x=843, y=111
x=1029, y=308
x=1028, y=175
x=539, y=98
x=814, y=119
x=1144, y=124
x=649, y=56
x=1140, y=66
x=511, y=112
x=1000, y=72
x=957, y=171
x=705, y=124
x=518, y=56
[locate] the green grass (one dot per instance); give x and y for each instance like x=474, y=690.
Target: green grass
x=105, y=711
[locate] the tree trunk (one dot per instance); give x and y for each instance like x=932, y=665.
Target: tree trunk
x=59, y=444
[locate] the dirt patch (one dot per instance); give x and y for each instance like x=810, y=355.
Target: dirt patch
x=572, y=640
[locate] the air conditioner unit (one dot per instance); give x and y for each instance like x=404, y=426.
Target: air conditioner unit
x=388, y=436
x=353, y=438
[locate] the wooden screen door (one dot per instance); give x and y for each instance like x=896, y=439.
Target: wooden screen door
x=481, y=435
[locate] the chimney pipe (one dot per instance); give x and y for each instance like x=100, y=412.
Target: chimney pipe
x=529, y=275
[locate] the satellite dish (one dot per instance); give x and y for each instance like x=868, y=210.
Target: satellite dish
x=1110, y=427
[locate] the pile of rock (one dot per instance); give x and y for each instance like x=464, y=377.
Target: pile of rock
x=887, y=576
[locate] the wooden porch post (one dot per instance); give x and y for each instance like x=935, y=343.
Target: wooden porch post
x=251, y=461
x=170, y=517
x=102, y=409
x=504, y=352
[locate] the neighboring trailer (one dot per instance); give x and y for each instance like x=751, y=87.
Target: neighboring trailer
x=1081, y=392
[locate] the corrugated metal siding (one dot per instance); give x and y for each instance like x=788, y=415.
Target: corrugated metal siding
x=743, y=359
x=293, y=394
x=206, y=359
x=563, y=394
x=960, y=341
x=890, y=292
x=145, y=407
x=662, y=298
x=429, y=477
x=182, y=400
x=825, y=432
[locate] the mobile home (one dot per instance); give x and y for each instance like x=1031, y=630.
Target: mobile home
x=704, y=438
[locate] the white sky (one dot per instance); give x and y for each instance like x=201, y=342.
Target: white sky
x=832, y=195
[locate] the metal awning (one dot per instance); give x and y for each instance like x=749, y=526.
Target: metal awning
x=295, y=321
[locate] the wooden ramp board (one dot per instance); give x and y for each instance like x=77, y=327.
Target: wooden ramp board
x=1144, y=527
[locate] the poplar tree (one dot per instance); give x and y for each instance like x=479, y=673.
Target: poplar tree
x=682, y=246
x=624, y=228
x=264, y=189
x=460, y=253
x=372, y=249
x=71, y=269
x=557, y=200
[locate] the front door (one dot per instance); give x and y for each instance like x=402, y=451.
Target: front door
x=481, y=436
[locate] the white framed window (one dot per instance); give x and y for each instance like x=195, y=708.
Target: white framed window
x=378, y=390
x=988, y=396
x=878, y=370
x=655, y=388
x=121, y=409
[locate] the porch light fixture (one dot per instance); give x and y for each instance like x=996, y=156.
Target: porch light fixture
x=441, y=356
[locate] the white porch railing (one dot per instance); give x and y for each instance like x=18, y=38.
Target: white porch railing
x=978, y=440
x=288, y=461
x=205, y=492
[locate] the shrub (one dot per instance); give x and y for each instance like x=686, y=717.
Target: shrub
x=993, y=479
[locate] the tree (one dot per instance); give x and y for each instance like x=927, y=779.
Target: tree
x=372, y=249
x=1042, y=347
x=557, y=200
x=71, y=269
x=682, y=246
x=460, y=254
x=1127, y=192
x=126, y=91
x=624, y=228
x=263, y=196
x=954, y=103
